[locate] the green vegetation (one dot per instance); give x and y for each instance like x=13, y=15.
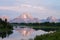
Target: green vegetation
x=43, y=26
x=51, y=36
x=49, y=27
x=39, y=24
x=5, y=28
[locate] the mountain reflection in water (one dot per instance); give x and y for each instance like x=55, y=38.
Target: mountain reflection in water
x=24, y=34
x=25, y=31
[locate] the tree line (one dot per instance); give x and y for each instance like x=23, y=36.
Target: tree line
x=5, y=28
x=39, y=24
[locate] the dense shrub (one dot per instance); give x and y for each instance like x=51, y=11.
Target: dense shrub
x=52, y=36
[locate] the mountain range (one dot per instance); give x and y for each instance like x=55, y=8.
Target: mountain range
x=27, y=18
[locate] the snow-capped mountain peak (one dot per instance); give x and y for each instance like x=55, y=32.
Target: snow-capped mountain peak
x=24, y=18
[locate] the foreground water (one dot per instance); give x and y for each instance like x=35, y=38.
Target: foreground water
x=24, y=34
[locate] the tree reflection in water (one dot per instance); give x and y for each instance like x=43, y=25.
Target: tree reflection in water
x=5, y=34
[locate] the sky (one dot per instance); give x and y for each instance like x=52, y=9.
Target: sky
x=37, y=8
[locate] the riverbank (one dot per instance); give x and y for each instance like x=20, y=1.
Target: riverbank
x=51, y=36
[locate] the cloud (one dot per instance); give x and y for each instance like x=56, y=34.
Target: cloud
x=21, y=6
x=27, y=7
x=13, y=8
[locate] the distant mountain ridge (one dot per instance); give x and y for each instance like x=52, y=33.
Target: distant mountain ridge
x=27, y=18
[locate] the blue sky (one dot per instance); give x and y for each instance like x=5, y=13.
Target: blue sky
x=38, y=8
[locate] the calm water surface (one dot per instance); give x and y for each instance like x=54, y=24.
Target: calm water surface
x=24, y=34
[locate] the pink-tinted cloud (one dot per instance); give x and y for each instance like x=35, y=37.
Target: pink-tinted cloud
x=26, y=7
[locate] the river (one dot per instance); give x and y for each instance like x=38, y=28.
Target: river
x=24, y=34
